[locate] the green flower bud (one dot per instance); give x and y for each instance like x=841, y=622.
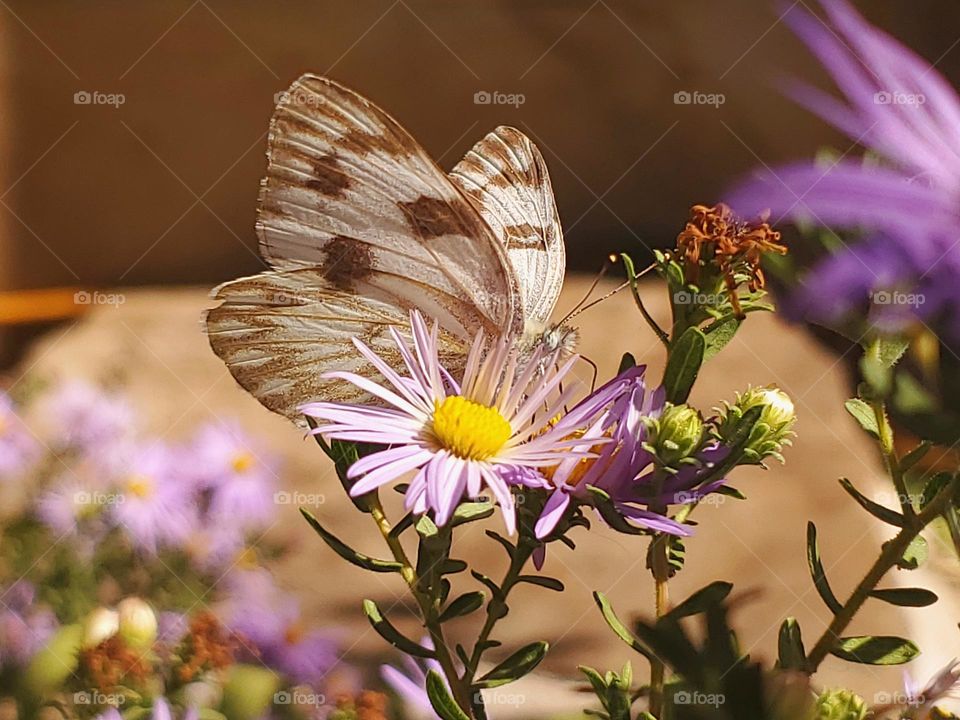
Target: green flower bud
x=773, y=429
x=678, y=433
x=840, y=705
x=249, y=692
x=53, y=664
x=138, y=623
x=101, y=624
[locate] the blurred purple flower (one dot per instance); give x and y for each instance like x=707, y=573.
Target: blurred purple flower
x=239, y=475
x=25, y=627
x=155, y=507
x=901, y=108
x=271, y=620
x=18, y=447
x=89, y=418
x=410, y=683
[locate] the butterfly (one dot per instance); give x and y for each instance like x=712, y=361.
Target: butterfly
x=359, y=225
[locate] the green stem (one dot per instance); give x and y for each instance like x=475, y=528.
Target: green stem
x=891, y=554
x=427, y=605
x=660, y=567
x=891, y=461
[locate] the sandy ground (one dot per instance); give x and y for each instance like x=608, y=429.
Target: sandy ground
x=154, y=341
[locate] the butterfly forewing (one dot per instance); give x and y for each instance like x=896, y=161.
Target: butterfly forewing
x=506, y=178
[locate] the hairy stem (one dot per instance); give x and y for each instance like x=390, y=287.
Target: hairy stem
x=891, y=554
x=891, y=461
x=660, y=567
x=428, y=609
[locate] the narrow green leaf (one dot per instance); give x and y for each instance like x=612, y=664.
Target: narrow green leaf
x=463, y=605
x=608, y=512
x=443, y=704
x=619, y=629
x=915, y=555
x=702, y=600
x=817, y=571
x=468, y=512
x=388, y=632
x=890, y=349
x=864, y=415
x=792, y=655
x=489, y=584
x=346, y=552
x=426, y=527
x=906, y=597
x=914, y=456
x=543, y=581
x=683, y=365
x=718, y=334
x=506, y=544
x=875, y=650
x=344, y=454
x=452, y=566
x=626, y=362
x=878, y=511
x=516, y=666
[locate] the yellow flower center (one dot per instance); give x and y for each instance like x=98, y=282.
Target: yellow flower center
x=140, y=485
x=242, y=462
x=469, y=430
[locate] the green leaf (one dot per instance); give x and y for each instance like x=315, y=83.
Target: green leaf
x=608, y=512
x=344, y=454
x=615, y=624
x=863, y=414
x=346, y=552
x=792, y=655
x=426, y=527
x=718, y=334
x=626, y=362
x=702, y=600
x=878, y=511
x=915, y=555
x=543, y=581
x=683, y=365
x=889, y=349
x=906, y=597
x=393, y=636
x=468, y=512
x=817, y=571
x=914, y=456
x=443, y=704
x=875, y=650
x=516, y=666
x=463, y=605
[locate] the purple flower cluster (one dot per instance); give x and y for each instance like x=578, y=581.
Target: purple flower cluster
x=19, y=449
x=25, y=626
x=908, y=205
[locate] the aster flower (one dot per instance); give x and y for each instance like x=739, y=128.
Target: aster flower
x=898, y=106
x=25, y=626
x=155, y=508
x=457, y=436
x=18, y=447
x=410, y=683
x=88, y=418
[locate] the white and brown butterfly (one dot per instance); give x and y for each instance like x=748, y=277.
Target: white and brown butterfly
x=360, y=225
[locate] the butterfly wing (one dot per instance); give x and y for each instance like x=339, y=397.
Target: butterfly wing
x=506, y=178
x=359, y=226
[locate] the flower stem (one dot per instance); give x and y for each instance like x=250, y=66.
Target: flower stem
x=891, y=460
x=660, y=567
x=428, y=613
x=890, y=555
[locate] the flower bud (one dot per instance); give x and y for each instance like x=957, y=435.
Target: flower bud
x=678, y=434
x=840, y=705
x=772, y=430
x=101, y=624
x=138, y=623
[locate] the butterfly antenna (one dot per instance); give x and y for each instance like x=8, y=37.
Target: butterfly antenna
x=596, y=372
x=593, y=286
x=622, y=286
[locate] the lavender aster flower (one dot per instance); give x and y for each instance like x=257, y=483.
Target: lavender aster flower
x=410, y=683
x=456, y=436
x=25, y=627
x=87, y=417
x=897, y=105
x=18, y=447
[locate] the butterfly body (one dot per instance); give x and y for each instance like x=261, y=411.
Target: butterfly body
x=359, y=226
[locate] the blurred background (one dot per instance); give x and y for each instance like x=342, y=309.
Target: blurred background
x=132, y=140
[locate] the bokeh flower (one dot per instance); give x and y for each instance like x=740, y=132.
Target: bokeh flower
x=25, y=625
x=898, y=106
x=18, y=447
x=410, y=683
x=457, y=437
x=85, y=417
